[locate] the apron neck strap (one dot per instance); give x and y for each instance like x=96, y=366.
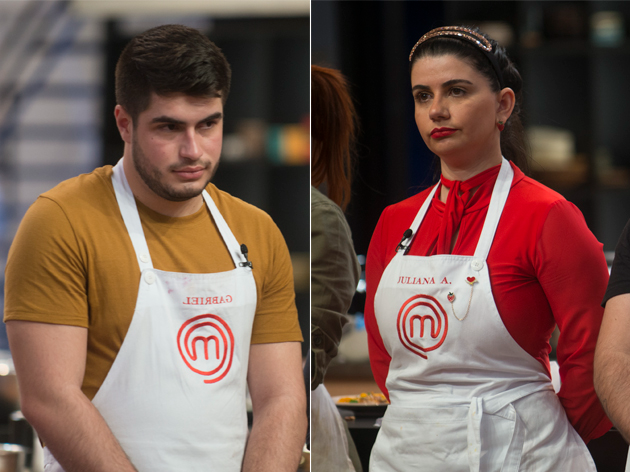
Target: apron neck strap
x=423, y=211
x=500, y=193
x=497, y=202
x=228, y=238
x=131, y=217
x=129, y=212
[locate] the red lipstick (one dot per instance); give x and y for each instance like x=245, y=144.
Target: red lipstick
x=442, y=132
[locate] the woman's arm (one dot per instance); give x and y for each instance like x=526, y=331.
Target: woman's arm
x=572, y=271
x=374, y=267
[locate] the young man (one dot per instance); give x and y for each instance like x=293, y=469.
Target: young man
x=141, y=301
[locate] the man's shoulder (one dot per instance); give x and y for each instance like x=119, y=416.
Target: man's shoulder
x=234, y=209
x=88, y=189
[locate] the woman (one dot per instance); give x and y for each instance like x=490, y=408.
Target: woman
x=335, y=270
x=467, y=280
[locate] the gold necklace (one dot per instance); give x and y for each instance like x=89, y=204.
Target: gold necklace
x=451, y=298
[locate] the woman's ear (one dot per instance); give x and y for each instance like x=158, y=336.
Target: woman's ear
x=505, y=104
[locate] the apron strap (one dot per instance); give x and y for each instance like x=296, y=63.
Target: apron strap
x=417, y=220
x=495, y=209
x=228, y=238
x=475, y=412
x=500, y=193
x=423, y=211
x=492, y=405
x=513, y=450
x=129, y=212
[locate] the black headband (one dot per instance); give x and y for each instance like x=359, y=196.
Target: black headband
x=466, y=34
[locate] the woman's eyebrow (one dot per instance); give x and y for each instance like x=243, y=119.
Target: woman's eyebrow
x=445, y=84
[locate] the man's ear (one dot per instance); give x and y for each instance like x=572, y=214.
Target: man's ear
x=124, y=123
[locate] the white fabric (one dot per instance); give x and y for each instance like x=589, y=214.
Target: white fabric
x=175, y=395
x=464, y=395
x=329, y=443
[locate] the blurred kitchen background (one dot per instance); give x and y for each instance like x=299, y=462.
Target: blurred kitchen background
x=574, y=57
x=57, y=61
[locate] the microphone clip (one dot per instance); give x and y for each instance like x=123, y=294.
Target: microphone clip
x=247, y=263
x=406, y=235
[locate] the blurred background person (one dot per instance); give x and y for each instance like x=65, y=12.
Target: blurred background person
x=612, y=356
x=335, y=270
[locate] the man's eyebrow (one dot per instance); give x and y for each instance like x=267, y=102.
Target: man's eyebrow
x=213, y=117
x=445, y=84
x=167, y=119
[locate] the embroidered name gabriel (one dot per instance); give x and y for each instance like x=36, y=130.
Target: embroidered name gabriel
x=208, y=300
x=420, y=280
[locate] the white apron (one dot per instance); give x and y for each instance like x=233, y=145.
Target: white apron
x=175, y=395
x=464, y=395
x=329, y=443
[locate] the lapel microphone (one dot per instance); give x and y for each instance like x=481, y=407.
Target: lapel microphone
x=406, y=235
x=244, y=252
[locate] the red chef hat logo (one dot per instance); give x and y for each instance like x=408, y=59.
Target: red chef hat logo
x=206, y=344
x=422, y=324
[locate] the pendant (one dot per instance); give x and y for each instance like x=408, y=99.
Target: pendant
x=451, y=298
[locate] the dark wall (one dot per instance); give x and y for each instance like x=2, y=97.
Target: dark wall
x=372, y=44
x=570, y=82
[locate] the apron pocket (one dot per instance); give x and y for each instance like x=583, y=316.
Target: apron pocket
x=422, y=439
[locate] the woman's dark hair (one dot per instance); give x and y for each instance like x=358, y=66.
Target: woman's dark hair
x=333, y=129
x=513, y=141
x=169, y=59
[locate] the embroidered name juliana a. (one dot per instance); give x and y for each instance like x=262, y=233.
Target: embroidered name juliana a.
x=420, y=280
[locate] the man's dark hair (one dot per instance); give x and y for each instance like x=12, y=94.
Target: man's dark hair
x=170, y=59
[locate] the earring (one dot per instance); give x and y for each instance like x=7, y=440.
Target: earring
x=500, y=125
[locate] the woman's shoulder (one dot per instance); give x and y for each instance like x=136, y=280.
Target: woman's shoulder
x=532, y=202
x=527, y=191
x=320, y=202
x=395, y=219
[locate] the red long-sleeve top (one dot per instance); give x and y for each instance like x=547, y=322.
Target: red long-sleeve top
x=546, y=268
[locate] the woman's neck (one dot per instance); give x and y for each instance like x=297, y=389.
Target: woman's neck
x=464, y=172
x=455, y=170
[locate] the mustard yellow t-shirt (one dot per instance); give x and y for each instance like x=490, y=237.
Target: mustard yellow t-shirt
x=72, y=263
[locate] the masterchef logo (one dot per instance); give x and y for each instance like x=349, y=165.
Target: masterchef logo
x=206, y=344
x=422, y=324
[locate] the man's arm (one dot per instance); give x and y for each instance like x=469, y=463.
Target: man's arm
x=276, y=386
x=612, y=363
x=50, y=364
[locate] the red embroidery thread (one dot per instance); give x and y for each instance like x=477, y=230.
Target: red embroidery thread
x=213, y=329
x=424, y=307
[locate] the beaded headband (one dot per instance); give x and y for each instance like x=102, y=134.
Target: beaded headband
x=465, y=34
